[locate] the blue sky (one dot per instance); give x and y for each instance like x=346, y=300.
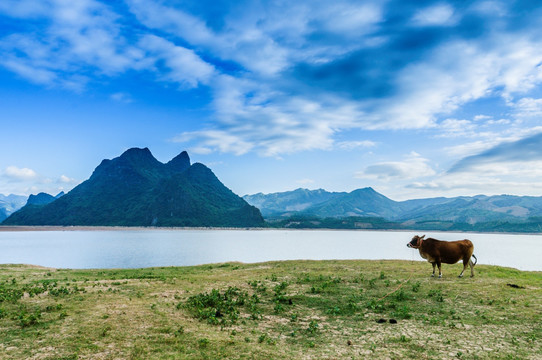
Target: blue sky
x=416, y=99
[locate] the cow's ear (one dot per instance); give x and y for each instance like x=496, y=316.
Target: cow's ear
x=421, y=237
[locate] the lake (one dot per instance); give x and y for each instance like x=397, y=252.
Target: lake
x=145, y=248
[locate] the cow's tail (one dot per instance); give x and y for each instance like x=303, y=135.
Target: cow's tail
x=475, y=260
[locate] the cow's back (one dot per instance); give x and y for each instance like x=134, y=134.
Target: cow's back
x=448, y=252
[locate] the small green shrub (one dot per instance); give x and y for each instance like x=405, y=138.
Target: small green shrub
x=436, y=294
x=401, y=295
x=313, y=327
x=203, y=342
x=216, y=307
x=403, y=312
x=105, y=330
x=26, y=319
x=179, y=331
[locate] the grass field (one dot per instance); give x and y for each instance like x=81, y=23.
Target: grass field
x=277, y=310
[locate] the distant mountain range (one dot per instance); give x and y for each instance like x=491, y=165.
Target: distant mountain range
x=471, y=213
x=135, y=189
x=10, y=203
x=42, y=198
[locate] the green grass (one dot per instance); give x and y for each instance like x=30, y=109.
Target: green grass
x=278, y=310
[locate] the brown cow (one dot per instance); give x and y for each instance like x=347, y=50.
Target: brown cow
x=448, y=252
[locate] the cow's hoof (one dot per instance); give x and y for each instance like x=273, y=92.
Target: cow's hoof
x=432, y=275
x=460, y=276
x=440, y=276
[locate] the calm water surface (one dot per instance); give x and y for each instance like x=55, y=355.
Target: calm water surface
x=145, y=248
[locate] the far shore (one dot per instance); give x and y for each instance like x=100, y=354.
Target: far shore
x=22, y=228
x=112, y=228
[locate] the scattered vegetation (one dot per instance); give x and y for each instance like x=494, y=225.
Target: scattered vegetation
x=279, y=310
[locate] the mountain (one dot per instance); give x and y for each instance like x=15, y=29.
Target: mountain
x=36, y=202
x=289, y=201
x=361, y=202
x=10, y=203
x=477, y=209
x=369, y=203
x=135, y=189
x=42, y=198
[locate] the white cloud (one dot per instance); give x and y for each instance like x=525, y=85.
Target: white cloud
x=74, y=36
x=218, y=140
x=488, y=179
x=458, y=128
x=266, y=39
x=183, y=65
x=305, y=182
x=457, y=73
x=491, y=8
x=92, y=34
x=202, y=150
x=482, y=117
x=412, y=167
x=63, y=179
x=488, y=140
x=351, y=17
x=253, y=117
x=436, y=15
x=21, y=174
x=122, y=97
x=351, y=145
x=28, y=71
x=469, y=148
x=258, y=103
x=528, y=108
x=24, y=8
x=175, y=21
x=244, y=41
x=82, y=39
x=16, y=180
x=504, y=158
x=498, y=122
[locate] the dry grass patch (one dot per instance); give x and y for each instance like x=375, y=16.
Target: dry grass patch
x=277, y=310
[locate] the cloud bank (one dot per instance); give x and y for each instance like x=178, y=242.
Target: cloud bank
x=524, y=151
x=288, y=77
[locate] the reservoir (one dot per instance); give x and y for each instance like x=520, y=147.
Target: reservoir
x=126, y=248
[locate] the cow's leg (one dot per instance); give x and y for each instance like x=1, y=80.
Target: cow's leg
x=465, y=264
x=439, y=269
x=471, y=264
x=434, y=265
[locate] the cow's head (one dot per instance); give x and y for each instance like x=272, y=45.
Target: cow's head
x=416, y=242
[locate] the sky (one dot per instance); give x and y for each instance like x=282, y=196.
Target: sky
x=416, y=99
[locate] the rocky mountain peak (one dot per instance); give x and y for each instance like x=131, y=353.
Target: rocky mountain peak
x=179, y=163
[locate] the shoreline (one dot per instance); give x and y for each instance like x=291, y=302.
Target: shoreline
x=7, y=228
x=24, y=228
x=241, y=263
